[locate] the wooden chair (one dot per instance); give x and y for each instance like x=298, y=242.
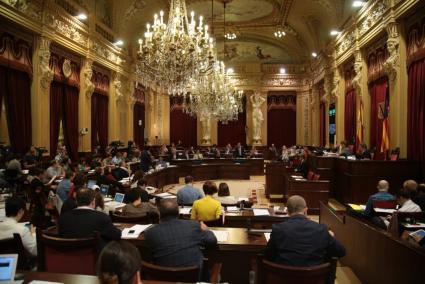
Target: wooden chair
x=14, y=246
x=67, y=255
x=310, y=175
x=273, y=273
x=396, y=227
x=316, y=177
x=143, y=219
x=151, y=271
x=385, y=204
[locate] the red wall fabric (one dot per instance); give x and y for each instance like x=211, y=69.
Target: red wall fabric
x=377, y=91
x=322, y=124
x=350, y=116
x=16, y=88
x=182, y=127
x=281, y=127
x=232, y=132
x=139, y=130
x=416, y=113
x=56, y=103
x=99, y=120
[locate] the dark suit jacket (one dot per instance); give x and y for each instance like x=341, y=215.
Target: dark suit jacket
x=177, y=243
x=145, y=161
x=238, y=152
x=302, y=242
x=80, y=223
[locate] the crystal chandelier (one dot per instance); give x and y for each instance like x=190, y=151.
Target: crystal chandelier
x=174, y=54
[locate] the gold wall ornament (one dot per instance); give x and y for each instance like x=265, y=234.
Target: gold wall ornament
x=374, y=16
x=66, y=68
x=358, y=66
x=65, y=29
x=46, y=74
x=347, y=43
x=87, y=75
x=392, y=62
x=118, y=87
x=335, y=85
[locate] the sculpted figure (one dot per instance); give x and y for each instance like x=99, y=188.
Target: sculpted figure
x=257, y=116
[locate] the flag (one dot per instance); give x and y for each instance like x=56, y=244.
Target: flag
x=385, y=142
x=359, y=124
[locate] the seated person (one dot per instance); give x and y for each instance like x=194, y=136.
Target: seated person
x=107, y=161
x=122, y=171
x=188, y=194
x=343, y=149
x=420, y=196
x=84, y=220
x=15, y=209
x=39, y=194
x=82, y=166
x=96, y=162
x=139, y=204
x=64, y=186
x=117, y=159
x=119, y=263
x=136, y=177
x=215, y=152
x=239, y=151
x=99, y=202
x=14, y=164
x=71, y=202
x=285, y=154
x=382, y=194
x=55, y=170
x=223, y=195
x=228, y=149
x=363, y=153
x=176, y=242
x=253, y=152
x=30, y=158
x=207, y=208
x=299, y=241
x=407, y=205
x=273, y=149
x=198, y=155
x=161, y=163
x=411, y=186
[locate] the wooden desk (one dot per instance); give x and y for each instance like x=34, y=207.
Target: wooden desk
x=313, y=192
x=163, y=177
x=220, y=171
x=373, y=254
x=276, y=182
x=70, y=278
x=246, y=218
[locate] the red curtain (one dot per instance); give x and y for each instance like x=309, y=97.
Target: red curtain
x=99, y=120
x=416, y=112
x=70, y=120
x=56, y=91
x=139, y=116
x=2, y=86
x=350, y=116
x=16, y=88
x=183, y=127
x=322, y=124
x=281, y=127
x=377, y=91
x=232, y=132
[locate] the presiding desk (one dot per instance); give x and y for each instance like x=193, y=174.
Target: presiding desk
x=237, y=253
x=375, y=255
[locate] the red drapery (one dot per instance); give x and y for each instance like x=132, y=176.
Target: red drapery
x=377, y=91
x=17, y=99
x=233, y=132
x=281, y=127
x=99, y=121
x=322, y=124
x=183, y=127
x=139, y=124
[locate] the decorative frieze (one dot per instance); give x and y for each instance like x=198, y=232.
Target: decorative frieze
x=29, y=8
x=68, y=30
x=374, y=15
x=347, y=42
x=105, y=53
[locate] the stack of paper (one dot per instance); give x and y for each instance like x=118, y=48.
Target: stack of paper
x=384, y=210
x=185, y=210
x=134, y=232
x=232, y=209
x=267, y=235
x=221, y=236
x=165, y=195
x=357, y=206
x=243, y=199
x=261, y=212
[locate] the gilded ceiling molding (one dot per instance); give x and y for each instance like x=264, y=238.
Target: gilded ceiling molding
x=104, y=52
x=87, y=73
x=66, y=28
x=29, y=8
x=347, y=42
x=392, y=62
x=374, y=15
x=46, y=74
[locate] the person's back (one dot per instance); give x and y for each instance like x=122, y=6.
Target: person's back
x=299, y=241
x=381, y=195
x=207, y=208
x=188, y=194
x=176, y=242
x=419, y=199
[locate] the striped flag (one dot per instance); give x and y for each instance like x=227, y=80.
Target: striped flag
x=359, y=124
x=385, y=142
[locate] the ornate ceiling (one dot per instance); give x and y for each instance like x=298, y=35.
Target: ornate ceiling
x=307, y=24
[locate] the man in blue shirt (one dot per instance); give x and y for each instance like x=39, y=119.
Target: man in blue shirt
x=65, y=186
x=381, y=195
x=188, y=194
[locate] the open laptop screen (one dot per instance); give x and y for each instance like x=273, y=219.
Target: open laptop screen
x=91, y=183
x=104, y=189
x=8, y=267
x=119, y=197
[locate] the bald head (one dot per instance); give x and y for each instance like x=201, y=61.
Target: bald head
x=383, y=185
x=168, y=208
x=296, y=205
x=410, y=184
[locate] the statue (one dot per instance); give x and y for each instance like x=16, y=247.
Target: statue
x=205, y=119
x=117, y=86
x=335, y=86
x=46, y=74
x=257, y=116
x=87, y=75
x=391, y=64
x=358, y=78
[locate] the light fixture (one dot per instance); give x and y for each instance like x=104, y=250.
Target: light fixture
x=334, y=32
x=119, y=42
x=282, y=70
x=279, y=34
x=358, y=3
x=230, y=36
x=82, y=16
x=230, y=71
x=314, y=54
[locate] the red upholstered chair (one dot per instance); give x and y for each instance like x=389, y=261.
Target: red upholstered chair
x=394, y=157
x=151, y=271
x=385, y=204
x=310, y=175
x=273, y=273
x=65, y=255
x=316, y=177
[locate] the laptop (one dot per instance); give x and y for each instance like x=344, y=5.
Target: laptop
x=118, y=201
x=8, y=264
x=104, y=189
x=91, y=183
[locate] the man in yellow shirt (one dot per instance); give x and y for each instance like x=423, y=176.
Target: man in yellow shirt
x=207, y=208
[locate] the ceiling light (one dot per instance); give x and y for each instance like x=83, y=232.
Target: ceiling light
x=230, y=36
x=82, y=16
x=314, y=54
x=282, y=71
x=358, y=3
x=279, y=34
x=119, y=42
x=230, y=71
x=334, y=32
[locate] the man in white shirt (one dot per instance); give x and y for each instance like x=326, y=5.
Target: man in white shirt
x=405, y=201
x=15, y=209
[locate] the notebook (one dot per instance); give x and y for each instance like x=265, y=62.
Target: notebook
x=8, y=267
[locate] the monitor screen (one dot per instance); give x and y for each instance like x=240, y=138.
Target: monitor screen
x=119, y=197
x=91, y=183
x=8, y=267
x=104, y=189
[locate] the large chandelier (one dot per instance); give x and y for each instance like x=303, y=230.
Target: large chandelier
x=172, y=55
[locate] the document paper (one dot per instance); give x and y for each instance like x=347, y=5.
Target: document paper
x=261, y=212
x=222, y=236
x=134, y=232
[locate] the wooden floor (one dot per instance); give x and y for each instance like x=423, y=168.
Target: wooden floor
x=242, y=188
